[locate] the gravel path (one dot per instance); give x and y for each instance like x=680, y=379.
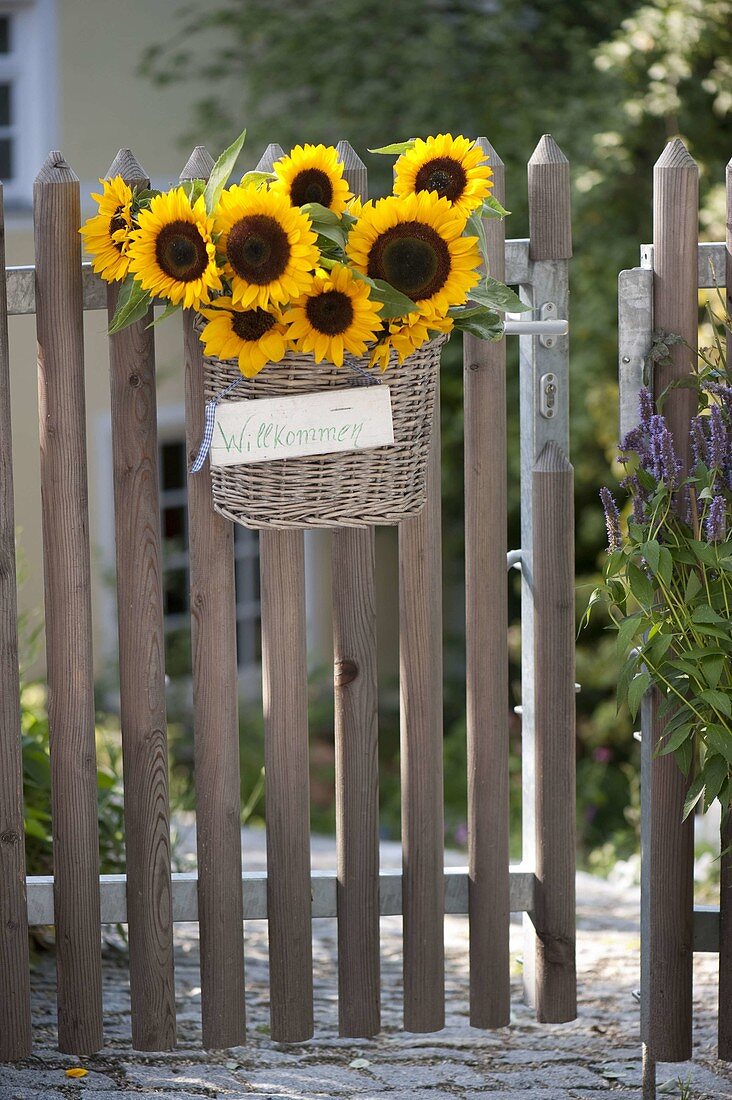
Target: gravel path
x=596, y=1055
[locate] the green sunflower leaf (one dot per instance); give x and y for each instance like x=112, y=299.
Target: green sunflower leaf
x=396, y=149
x=169, y=310
x=489, y=292
x=319, y=214
x=257, y=177
x=221, y=171
x=132, y=305
x=492, y=208
x=395, y=304
x=479, y=321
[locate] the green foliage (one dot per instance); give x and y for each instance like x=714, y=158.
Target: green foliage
x=612, y=81
x=37, y=788
x=667, y=583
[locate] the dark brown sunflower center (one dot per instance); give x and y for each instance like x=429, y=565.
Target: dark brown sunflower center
x=330, y=313
x=258, y=249
x=117, y=222
x=412, y=257
x=444, y=175
x=311, y=185
x=181, y=251
x=251, y=324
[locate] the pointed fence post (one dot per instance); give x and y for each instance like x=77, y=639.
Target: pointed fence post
x=64, y=497
x=725, y=881
x=287, y=783
x=215, y=716
x=547, y=601
x=667, y=908
x=15, y=1015
x=357, y=752
x=486, y=639
x=423, y=829
x=142, y=666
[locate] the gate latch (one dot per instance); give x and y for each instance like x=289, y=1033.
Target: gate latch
x=548, y=391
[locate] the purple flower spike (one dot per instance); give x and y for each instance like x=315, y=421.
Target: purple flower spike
x=715, y=525
x=698, y=439
x=664, y=465
x=646, y=405
x=717, y=446
x=612, y=520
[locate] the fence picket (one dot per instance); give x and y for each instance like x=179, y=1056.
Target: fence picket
x=357, y=753
x=675, y=280
x=553, y=578
x=142, y=666
x=64, y=495
x=215, y=717
x=724, y=1038
x=287, y=783
x=420, y=647
x=15, y=1015
x=486, y=641
x=548, y=813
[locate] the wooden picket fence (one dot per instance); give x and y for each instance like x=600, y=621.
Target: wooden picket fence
x=149, y=899
x=662, y=296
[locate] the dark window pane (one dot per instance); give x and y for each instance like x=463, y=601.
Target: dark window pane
x=176, y=592
x=4, y=34
x=6, y=159
x=5, y=92
x=173, y=462
x=174, y=523
x=178, y=653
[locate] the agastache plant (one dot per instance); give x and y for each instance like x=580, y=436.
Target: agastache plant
x=667, y=578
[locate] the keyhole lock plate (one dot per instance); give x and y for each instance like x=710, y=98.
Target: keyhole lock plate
x=548, y=393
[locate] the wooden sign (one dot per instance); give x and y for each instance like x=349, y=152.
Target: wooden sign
x=266, y=429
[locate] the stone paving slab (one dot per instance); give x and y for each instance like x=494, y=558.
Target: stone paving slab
x=596, y=1057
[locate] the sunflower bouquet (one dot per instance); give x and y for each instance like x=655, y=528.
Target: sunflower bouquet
x=291, y=261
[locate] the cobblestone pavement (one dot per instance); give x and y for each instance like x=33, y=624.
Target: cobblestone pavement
x=596, y=1056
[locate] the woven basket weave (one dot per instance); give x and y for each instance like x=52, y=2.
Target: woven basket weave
x=382, y=485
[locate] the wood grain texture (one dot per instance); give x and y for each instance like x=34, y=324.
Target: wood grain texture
x=724, y=1028
x=142, y=666
x=550, y=218
x=554, y=628
x=287, y=785
x=215, y=718
x=486, y=645
x=287, y=775
x=15, y=1014
x=357, y=752
x=64, y=500
x=725, y=885
x=420, y=649
x=675, y=240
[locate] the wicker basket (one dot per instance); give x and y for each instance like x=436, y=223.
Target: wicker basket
x=382, y=485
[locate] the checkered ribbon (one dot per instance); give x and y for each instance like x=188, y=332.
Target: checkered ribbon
x=210, y=423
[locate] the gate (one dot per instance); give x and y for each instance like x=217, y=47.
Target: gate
x=149, y=899
x=662, y=296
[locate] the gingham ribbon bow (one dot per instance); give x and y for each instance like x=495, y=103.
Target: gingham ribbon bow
x=209, y=425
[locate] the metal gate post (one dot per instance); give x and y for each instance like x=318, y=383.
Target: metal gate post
x=544, y=417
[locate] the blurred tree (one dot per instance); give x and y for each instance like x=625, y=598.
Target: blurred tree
x=612, y=80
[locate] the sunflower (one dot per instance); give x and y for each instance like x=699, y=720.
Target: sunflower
x=268, y=245
x=451, y=167
x=336, y=315
x=312, y=173
x=253, y=336
x=172, y=254
x=107, y=234
x=405, y=334
x=415, y=243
